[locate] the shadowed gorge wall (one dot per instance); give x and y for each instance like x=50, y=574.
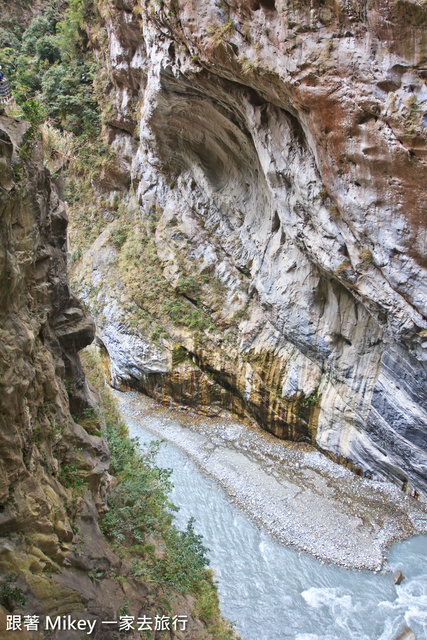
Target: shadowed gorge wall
x=43, y=450
x=55, y=486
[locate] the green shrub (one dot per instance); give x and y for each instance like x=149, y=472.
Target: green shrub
x=119, y=237
x=38, y=28
x=179, y=354
x=35, y=114
x=67, y=93
x=71, y=478
x=185, y=561
x=46, y=49
x=247, y=66
x=10, y=594
x=140, y=505
x=75, y=256
x=8, y=39
x=55, y=70
x=189, y=286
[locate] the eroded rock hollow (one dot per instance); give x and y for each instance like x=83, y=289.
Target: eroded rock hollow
x=268, y=255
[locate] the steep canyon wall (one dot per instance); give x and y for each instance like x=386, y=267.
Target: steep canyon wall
x=268, y=254
x=54, y=462
x=43, y=450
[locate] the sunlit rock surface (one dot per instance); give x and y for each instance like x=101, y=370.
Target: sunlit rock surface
x=278, y=151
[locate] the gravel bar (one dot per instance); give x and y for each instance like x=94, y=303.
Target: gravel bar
x=291, y=490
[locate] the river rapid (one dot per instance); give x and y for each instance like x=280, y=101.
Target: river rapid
x=272, y=591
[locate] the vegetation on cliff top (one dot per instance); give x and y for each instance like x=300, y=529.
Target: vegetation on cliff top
x=48, y=55
x=46, y=58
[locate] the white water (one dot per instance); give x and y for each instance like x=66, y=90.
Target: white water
x=272, y=592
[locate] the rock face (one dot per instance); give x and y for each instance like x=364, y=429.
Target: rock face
x=54, y=476
x=43, y=451
x=398, y=577
x=277, y=156
x=407, y=634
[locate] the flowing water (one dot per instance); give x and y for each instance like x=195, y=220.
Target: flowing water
x=272, y=592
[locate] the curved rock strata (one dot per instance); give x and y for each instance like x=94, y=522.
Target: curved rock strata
x=272, y=257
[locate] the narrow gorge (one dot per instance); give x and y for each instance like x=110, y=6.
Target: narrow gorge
x=227, y=198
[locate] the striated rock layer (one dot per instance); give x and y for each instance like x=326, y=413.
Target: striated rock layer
x=277, y=157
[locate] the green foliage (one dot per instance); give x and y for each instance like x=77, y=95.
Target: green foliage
x=247, y=66
x=179, y=354
x=89, y=420
x=75, y=256
x=8, y=39
x=70, y=30
x=183, y=566
x=33, y=112
x=120, y=236
x=242, y=314
x=207, y=608
x=38, y=28
x=115, y=203
x=49, y=62
x=139, y=506
x=67, y=92
x=306, y=402
x=96, y=574
x=221, y=33
x=189, y=285
x=334, y=212
x=158, y=302
x=322, y=195
x=70, y=477
x=411, y=115
x=46, y=49
x=10, y=594
x=182, y=314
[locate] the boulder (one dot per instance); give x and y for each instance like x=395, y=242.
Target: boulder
x=398, y=576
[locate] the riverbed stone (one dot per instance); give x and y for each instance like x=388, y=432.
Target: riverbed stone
x=310, y=501
x=406, y=634
x=398, y=577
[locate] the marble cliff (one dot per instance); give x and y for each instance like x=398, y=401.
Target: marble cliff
x=268, y=251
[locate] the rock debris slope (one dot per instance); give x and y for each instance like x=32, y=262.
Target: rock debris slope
x=272, y=257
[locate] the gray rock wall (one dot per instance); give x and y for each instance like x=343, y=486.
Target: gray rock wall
x=281, y=151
